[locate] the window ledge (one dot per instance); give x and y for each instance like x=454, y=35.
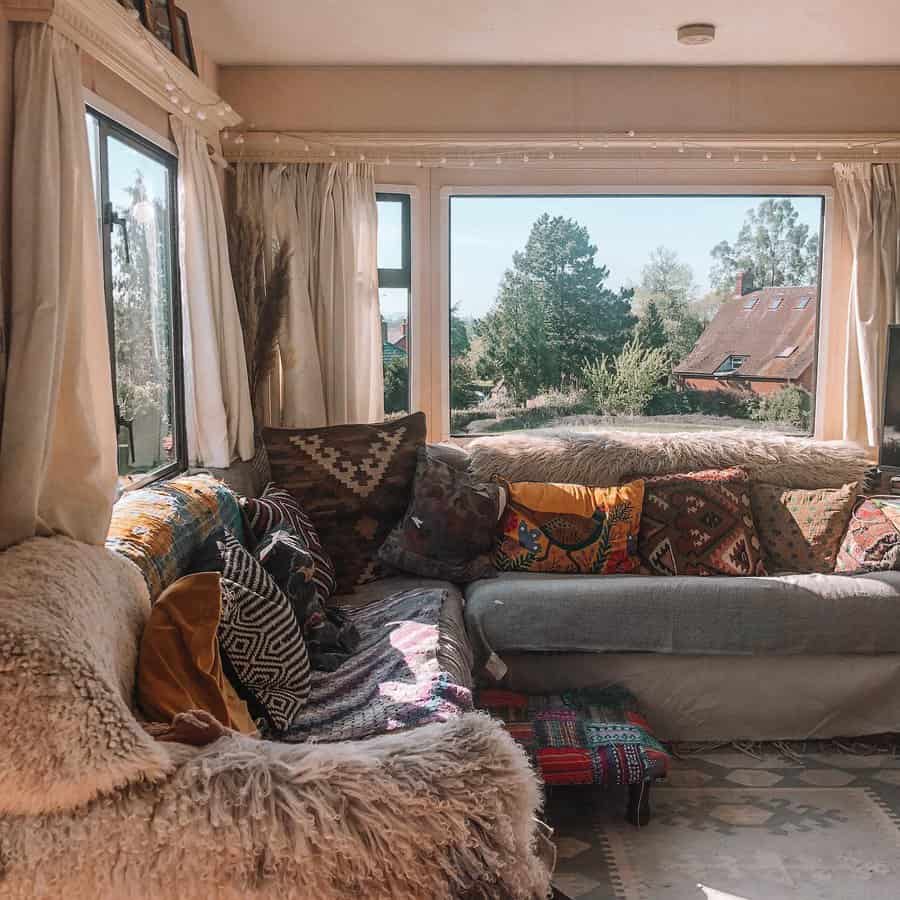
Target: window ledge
x=106, y=31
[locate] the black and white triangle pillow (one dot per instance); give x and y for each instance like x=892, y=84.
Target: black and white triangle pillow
x=259, y=634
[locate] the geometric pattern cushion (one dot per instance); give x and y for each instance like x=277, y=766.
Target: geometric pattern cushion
x=353, y=481
x=700, y=523
x=581, y=737
x=278, y=509
x=872, y=540
x=261, y=639
x=801, y=531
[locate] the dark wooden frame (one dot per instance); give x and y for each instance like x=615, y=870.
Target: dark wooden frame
x=149, y=11
x=184, y=42
x=110, y=128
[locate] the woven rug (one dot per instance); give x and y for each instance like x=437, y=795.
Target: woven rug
x=727, y=825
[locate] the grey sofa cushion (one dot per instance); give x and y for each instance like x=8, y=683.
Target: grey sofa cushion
x=633, y=613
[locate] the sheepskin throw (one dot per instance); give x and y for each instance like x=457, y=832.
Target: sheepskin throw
x=612, y=457
x=445, y=811
x=394, y=680
x=71, y=617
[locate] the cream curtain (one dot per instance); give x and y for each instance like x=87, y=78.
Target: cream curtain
x=871, y=205
x=218, y=413
x=330, y=347
x=58, y=441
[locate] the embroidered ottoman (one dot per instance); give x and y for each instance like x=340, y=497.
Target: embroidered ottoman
x=594, y=737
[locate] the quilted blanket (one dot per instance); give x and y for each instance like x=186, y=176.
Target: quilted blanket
x=393, y=681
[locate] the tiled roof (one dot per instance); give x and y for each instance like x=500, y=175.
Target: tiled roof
x=761, y=329
x=392, y=351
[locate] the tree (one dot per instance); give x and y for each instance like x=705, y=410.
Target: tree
x=669, y=285
x=651, y=329
x=459, y=335
x=772, y=249
x=396, y=385
x=552, y=311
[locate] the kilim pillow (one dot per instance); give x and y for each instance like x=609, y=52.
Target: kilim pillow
x=276, y=509
x=260, y=639
x=802, y=530
x=330, y=637
x=353, y=481
x=700, y=523
x=448, y=529
x=570, y=528
x=872, y=540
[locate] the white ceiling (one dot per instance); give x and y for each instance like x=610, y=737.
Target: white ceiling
x=544, y=32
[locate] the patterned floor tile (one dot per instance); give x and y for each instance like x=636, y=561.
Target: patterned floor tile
x=754, y=777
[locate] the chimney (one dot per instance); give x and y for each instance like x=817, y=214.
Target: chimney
x=404, y=327
x=739, y=285
x=384, y=339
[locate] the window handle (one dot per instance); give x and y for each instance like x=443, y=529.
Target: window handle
x=111, y=219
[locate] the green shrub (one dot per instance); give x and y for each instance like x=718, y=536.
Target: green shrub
x=628, y=383
x=396, y=385
x=791, y=405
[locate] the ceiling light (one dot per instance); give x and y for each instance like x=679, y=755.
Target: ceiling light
x=696, y=33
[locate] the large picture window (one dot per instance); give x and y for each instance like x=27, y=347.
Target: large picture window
x=638, y=312
x=135, y=187
x=394, y=281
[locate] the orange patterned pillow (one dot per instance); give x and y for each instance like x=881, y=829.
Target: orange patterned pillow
x=570, y=528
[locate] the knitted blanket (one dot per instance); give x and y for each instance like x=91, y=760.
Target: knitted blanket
x=393, y=681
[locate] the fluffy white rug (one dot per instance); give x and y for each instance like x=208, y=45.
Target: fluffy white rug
x=611, y=457
x=442, y=811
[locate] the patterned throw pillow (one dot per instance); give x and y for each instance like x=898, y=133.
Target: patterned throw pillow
x=277, y=508
x=802, y=530
x=448, y=529
x=700, y=523
x=570, y=528
x=260, y=639
x=872, y=540
x=161, y=527
x=353, y=481
x=330, y=637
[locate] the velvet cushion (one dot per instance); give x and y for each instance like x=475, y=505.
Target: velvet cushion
x=448, y=528
x=161, y=527
x=700, y=523
x=800, y=530
x=260, y=639
x=570, y=528
x=872, y=540
x=179, y=666
x=353, y=481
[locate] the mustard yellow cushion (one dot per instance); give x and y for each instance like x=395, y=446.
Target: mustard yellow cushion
x=179, y=666
x=570, y=528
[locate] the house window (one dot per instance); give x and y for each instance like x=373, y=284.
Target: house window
x=803, y=302
x=394, y=281
x=730, y=364
x=630, y=311
x=787, y=352
x=136, y=190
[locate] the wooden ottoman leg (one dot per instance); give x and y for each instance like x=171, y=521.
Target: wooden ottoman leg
x=638, y=812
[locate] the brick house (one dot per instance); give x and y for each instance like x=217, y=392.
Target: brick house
x=758, y=342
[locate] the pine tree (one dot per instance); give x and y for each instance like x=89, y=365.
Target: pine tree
x=651, y=329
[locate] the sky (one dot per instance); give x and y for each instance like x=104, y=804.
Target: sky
x=485, y=231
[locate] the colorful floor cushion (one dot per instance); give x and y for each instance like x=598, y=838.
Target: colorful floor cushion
x=353, y=481
x=581, y=737
x=700, y=523
x=160, y=527
x=179, y=665
x=570, y=528
x=801, y=531
x=448, y=528
x=872, y=540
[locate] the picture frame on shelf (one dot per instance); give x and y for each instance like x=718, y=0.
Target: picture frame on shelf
x=158, y=17
x=134, y=8
x=184, y=43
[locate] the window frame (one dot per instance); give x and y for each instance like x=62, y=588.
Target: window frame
x=457, y=185
x=108, y=126
x=402, y=277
